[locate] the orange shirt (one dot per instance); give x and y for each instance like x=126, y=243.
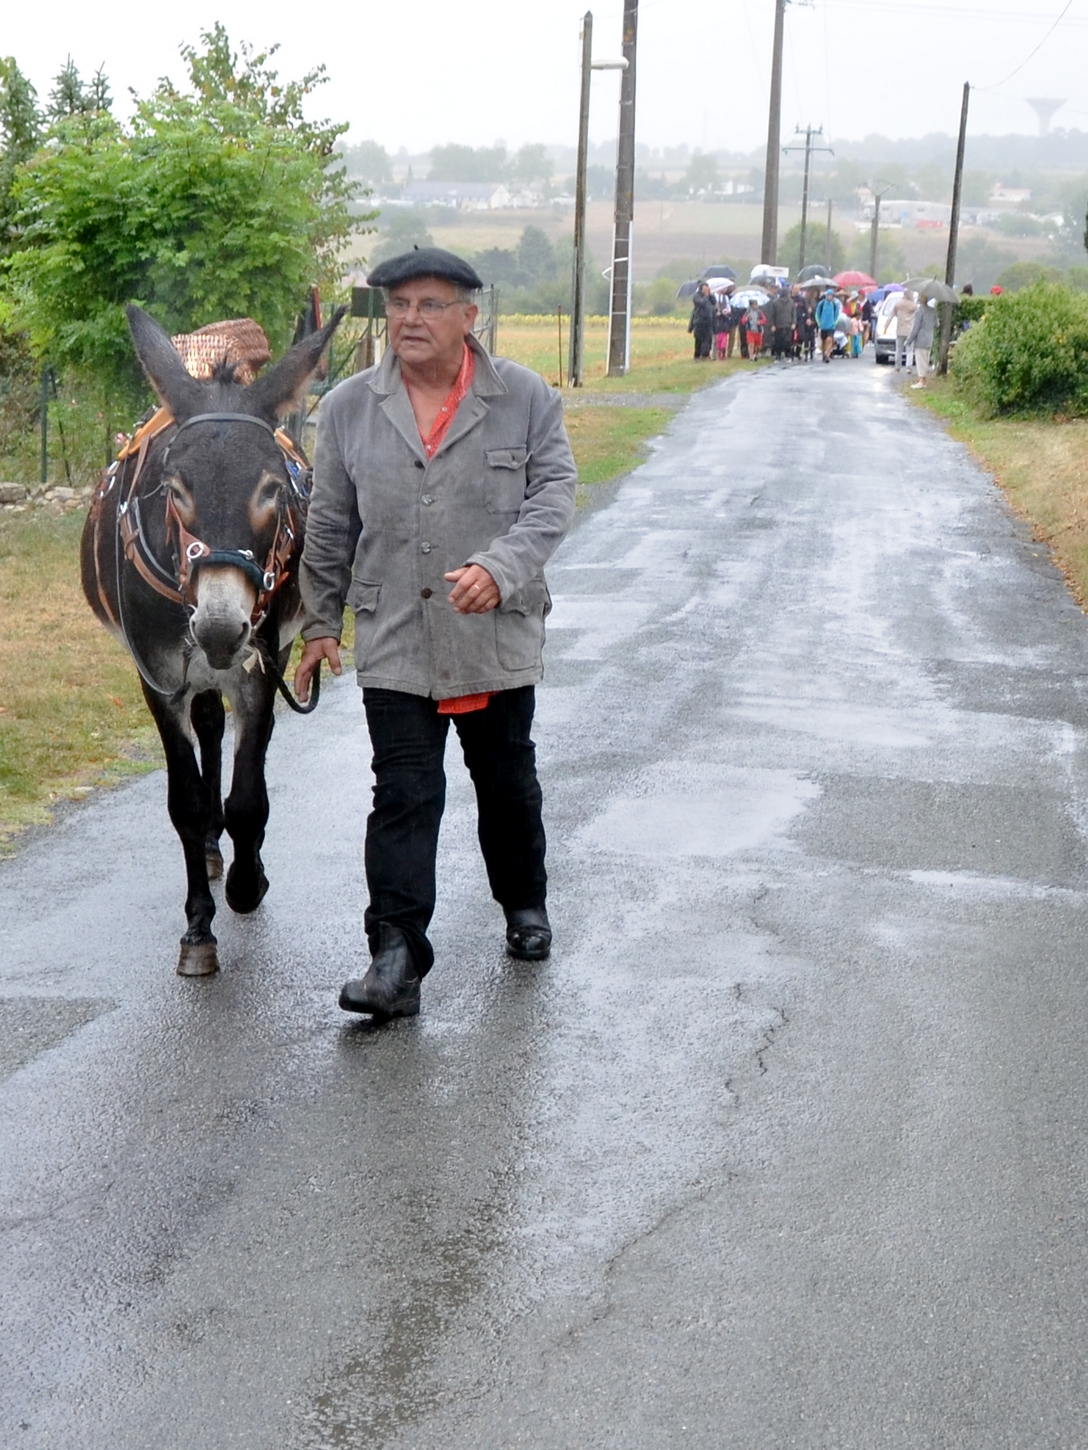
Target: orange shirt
x=459, y=704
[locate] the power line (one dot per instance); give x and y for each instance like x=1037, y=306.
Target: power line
x=1036, y=51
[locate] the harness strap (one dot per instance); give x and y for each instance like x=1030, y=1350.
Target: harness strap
x=193, y=552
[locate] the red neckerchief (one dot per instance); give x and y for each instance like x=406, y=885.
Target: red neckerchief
x=460, y=704
x=433, y=442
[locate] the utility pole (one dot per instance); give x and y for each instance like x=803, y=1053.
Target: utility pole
x=954, y=232
x=878, y=196
x=830, y=205
x=578, y=282
x=576, y=365
x=808, y=134
x=769, y=248
x=619, y=332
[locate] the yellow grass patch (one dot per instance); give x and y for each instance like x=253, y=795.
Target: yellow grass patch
x=1042, y=466
x=71, y=712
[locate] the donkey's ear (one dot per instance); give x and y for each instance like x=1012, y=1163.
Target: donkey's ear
x=166, y=372
x=282, y=389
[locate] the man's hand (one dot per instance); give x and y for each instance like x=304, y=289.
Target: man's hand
x=474, y=591
x=316, y=650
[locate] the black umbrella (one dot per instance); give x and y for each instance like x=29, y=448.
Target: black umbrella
x=719, y=270
x=814, y=269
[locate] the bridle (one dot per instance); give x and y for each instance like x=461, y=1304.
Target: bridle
x=177, y=584
x=192, y=553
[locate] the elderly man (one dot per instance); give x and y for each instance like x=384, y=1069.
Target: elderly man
x=443, y=482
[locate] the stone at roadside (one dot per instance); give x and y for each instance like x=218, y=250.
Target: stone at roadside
x=62, y=495
x=12, y=493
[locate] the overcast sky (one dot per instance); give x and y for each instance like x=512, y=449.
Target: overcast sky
x=423, y=72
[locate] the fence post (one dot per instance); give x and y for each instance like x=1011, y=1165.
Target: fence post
x=45, y=424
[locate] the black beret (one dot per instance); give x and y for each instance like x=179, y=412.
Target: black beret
x=424, y=262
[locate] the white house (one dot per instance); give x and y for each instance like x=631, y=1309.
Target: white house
x=465, y=195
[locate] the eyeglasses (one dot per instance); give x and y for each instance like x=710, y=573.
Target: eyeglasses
x=429, y=307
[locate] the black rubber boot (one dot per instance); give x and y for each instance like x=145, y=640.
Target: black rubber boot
x=391, y=986
x=528, y=935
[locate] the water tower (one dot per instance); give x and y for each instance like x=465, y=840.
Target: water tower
x=1044, y=109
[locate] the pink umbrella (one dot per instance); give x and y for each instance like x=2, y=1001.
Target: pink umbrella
x=855, y=279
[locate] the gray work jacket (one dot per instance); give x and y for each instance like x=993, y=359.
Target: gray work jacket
x=924, y=326
x=385, y=524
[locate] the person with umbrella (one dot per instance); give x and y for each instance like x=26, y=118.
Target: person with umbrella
x=702, y=320
x=921, y=339
x=929, y=291
x=903, y=309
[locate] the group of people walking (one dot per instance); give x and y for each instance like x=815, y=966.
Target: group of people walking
x=788, y=324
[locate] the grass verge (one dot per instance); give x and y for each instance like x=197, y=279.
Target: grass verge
x=71, y=712
x=661, y=360
x=1041, y=465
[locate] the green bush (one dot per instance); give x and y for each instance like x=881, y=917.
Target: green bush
x=1029, y=354
x=971, y=310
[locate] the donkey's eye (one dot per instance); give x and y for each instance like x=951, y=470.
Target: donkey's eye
x=179, y=493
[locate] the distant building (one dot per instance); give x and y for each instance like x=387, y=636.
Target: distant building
x=1014, y=194
x=464, y=195
x=907, y=212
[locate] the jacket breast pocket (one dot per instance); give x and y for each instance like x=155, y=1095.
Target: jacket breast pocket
x=363, y=603
x=505, y=484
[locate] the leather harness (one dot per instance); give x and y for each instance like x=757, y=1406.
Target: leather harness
x=192, y=552
x=177, y=585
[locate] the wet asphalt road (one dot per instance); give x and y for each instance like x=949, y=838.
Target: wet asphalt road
x=785, y=1146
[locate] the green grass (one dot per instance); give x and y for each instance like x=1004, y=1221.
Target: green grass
x=609, y=441
x=71, y=713
x=661, y=360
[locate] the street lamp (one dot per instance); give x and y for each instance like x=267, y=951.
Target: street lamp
x=577, y=309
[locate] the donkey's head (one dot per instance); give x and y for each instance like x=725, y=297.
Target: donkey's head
x=224, y=477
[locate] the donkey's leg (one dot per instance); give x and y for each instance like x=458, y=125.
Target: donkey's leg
x=246, y=809
x=209, y=717
x=190, y=808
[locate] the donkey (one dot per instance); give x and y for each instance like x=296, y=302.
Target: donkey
x=190, y=557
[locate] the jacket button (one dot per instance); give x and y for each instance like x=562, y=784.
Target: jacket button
x=427, y=498
x=420, y=463
x=424, y=548
x=425, y=593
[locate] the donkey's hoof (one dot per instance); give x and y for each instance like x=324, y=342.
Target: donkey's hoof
x=214, y=860
x=198, y=959
x=243, y=900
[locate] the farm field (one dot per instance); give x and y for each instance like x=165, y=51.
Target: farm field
x=668, y=233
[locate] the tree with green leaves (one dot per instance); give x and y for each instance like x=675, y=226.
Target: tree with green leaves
x=71, y=96
x=532, y=163
x=20, y=136
x=789, y=249
x=469, y=163
x=403, y=229
x=536, y=255
x=701, y=177
x=369, y=162
x=221, y=200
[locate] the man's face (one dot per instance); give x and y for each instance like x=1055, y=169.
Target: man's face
x=422, y=338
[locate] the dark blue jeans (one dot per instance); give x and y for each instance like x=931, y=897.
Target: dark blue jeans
x=408, y=737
